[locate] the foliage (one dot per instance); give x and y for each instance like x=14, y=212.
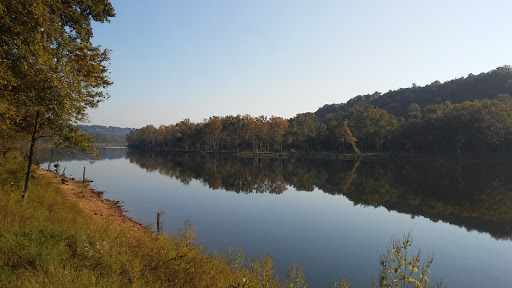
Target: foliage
x=51, y=72
x=485, y=85
x=106, y=134
x=296, y=277
x=52, y=66
x=304, y=129
x=103, y=138
x=401, y=269
x=342, y=284
x=230, y=133
x=345, y=135
x=12, y=170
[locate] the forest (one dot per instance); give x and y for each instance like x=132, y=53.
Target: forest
x=468, y=115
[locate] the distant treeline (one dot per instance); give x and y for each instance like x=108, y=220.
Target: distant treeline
x=471, y=114
x=108, y=135
x=103, y=138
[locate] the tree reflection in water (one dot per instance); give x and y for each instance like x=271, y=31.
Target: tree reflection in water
x=476, y=195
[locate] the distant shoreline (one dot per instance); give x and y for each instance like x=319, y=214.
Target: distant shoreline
x=113, y=145
x=344, y=156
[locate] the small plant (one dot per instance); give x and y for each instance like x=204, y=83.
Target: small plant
x=399, y=269
x=296, y=277
x=12, y=171
x=342, y=284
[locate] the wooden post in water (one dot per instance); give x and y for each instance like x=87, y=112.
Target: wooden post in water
x=83, y=177
x=158, y=222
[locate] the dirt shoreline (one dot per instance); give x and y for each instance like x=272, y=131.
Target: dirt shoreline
x=92, y=201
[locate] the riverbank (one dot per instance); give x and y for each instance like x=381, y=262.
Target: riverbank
x=91, y=201
x=66, y=235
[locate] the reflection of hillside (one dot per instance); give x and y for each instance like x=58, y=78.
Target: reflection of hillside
x=57, y=155
x=477, y=196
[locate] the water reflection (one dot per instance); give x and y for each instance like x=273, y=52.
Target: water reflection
x=477, y=196
x=58, y=155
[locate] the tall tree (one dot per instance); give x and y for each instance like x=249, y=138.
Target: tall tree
x=51, y=72
x=372, y=125
x=303, y=129
x=212, y=130
x=277, y=128
x=345, y=135
x=232, y=132
x=496, y=120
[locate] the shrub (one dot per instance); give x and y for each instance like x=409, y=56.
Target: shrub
x=399, y=269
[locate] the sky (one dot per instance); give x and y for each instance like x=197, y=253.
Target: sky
x=172, y=60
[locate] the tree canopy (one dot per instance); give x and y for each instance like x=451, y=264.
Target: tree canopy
x=51, y=72
x=487, y=85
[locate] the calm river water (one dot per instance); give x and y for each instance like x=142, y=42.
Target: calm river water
x=334, y=218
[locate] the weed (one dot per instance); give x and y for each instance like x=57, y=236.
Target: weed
x=401, y=269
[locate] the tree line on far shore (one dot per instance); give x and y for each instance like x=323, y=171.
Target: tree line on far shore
x=446, y=118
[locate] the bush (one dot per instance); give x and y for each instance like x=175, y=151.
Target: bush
x=12, y=172
x=399, y=269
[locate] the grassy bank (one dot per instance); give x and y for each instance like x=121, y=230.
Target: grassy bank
x=51, y=242
x=61, y=237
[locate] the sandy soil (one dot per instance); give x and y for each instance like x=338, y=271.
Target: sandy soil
x=91, y=200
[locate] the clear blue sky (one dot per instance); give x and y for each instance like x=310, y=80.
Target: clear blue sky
x=173, y=60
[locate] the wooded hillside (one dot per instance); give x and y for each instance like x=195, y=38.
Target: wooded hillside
x=470, y=115
x=473, y=87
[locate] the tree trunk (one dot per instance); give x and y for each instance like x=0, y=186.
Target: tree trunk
x=30, y=157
